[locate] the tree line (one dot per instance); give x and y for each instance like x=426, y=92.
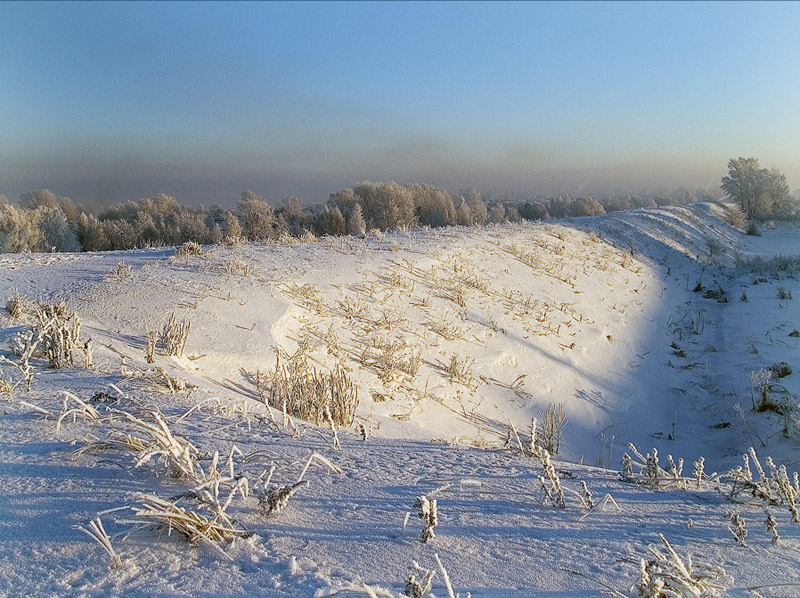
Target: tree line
x=43, y=221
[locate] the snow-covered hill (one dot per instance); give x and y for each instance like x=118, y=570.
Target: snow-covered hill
x=643, y=326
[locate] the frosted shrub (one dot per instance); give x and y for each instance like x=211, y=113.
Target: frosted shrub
x=699, y=470
x=123, y=270
x=773, y=490
x=54, y=336
x=237, y=266
x=20, y=307
x=652, y=474
x=150, y=347
x=627, y=467
x=188, y=249
x=736, y=217
x=790, y=410
x=551, y=483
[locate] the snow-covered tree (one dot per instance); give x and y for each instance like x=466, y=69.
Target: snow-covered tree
x=57, y=234
x=760, y=192
x=256, y=217
x=19, y=230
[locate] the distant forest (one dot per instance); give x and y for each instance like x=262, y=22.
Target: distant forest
x=43, y=221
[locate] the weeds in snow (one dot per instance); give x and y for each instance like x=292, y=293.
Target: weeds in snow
x=298, y=389
x=429, y=514
x=173, y=336
x=98, y=533
x=153, y=512
x=148, y=440
x=738, y=527
x=667, y=575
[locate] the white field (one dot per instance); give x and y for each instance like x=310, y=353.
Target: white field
x=598, y=315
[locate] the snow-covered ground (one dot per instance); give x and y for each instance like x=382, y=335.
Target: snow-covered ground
x=633, y=322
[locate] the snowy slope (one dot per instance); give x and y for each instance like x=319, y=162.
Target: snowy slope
x=451, y=336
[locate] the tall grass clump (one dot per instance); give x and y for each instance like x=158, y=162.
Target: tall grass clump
x=299, y=390
x=173, y=336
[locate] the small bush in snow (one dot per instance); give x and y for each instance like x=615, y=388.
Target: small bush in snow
x=419, y=587
x=736, y=217
x=772, y=527
x=753, y=229
x=20, y=307
x=274, y=500
x=237, y=266
x=123, y=270
x=188, y=249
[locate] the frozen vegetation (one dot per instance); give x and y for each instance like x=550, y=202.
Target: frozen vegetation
x=602, y=405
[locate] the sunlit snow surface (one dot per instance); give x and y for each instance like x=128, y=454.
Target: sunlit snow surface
x=598, y=314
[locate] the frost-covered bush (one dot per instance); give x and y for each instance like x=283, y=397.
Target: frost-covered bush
x=736, y=217
x=188, y=249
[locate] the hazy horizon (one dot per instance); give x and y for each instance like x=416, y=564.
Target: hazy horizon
x=107, y=102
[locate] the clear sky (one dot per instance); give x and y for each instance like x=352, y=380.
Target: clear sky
x=112, y=101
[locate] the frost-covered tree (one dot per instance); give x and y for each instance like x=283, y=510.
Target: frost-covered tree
x=256, y=217
x=477, y=207
x=586, y=206
x=47, y=199
x=356, y=225
x=534, y=211
x=497, y=214
x=331, y=222
x=57, y=234
x=433, y=206
x=760, y=192
x=19, y=229
x=233, y=230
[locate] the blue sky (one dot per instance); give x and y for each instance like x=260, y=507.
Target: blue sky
x=107, y=101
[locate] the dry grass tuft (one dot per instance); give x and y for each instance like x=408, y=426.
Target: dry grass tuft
x=174, y=335
x=299, y=390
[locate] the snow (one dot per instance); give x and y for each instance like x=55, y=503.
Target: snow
x=599, y=315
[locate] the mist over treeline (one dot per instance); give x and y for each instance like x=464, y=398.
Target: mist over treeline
x=43, y=221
